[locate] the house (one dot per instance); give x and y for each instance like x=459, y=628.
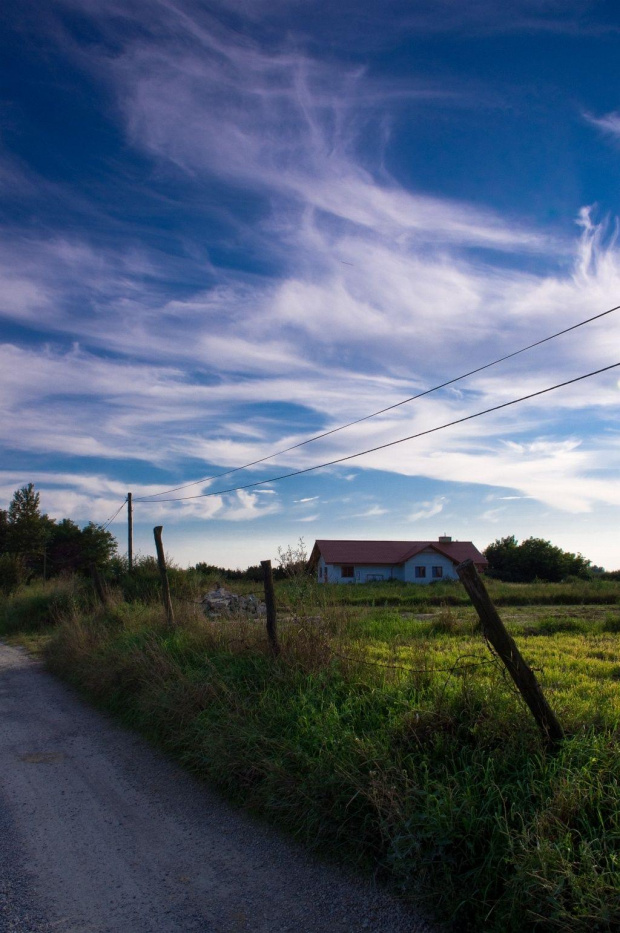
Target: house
x=409, y=561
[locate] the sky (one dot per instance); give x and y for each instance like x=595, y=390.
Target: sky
x=226, y=227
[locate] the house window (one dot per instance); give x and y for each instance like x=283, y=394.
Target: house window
x=347, y=570
x=437, y=573
x=420, y=573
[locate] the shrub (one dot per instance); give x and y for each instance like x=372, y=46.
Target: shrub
x=12, y=573
x=43, y=604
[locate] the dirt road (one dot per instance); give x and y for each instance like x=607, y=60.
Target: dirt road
x=100, y=834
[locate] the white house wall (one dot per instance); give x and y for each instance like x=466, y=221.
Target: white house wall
x=429, y=559
x=361, y=572
x=404, y=572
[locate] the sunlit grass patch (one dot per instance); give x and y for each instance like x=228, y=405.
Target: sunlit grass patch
x=578, y=665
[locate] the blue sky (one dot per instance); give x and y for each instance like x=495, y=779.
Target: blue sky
x=227, y=226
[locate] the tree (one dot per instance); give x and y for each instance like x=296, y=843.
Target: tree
x=4, y=531
x=72, y=549
x=98, y=545
x=63, y=549
x=533, y=559
x=27, y=529
x=37, y=543
x=503, y=557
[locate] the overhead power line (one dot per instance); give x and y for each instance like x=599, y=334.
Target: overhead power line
x=402, y=440
x=374, y=414
x=110, y=520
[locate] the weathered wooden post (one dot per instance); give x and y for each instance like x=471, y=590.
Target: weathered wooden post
x=165, y=586
x=504, y=644
x=100, y=587
x=270, y=604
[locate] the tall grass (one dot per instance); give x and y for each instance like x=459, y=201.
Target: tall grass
x=374, y=737
x=41, y=604
x=452, y=593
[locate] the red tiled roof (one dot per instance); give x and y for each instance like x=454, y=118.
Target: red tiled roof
x=391, y=552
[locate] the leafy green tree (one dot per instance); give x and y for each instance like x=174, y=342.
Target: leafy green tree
x=533, y=559
x=72, y=549
x=63, y=551
x=27, y=529
x=98, y=545
x=539, y=558
x=503, y=558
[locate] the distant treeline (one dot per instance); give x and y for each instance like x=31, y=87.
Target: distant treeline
x=253, y=574
x=537, y=559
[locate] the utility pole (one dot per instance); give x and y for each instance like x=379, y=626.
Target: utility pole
x=129, y=532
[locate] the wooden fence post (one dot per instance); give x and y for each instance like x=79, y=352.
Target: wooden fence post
x=504, y=644
x=100, y=587
x=270, y=603
x=165, y=586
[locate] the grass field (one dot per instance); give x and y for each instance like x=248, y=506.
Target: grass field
x=451, y=593
x=386, y=734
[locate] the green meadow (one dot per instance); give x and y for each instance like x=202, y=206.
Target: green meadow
x=386, y=734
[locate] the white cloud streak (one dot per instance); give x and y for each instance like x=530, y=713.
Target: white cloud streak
x=372, y=511
x=427, y=509
x=609, y=123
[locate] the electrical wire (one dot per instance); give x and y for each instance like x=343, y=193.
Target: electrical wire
x=382, y=411
x=110, y=520
x=410, y=437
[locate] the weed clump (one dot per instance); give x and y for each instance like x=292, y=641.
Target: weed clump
x=611, y=623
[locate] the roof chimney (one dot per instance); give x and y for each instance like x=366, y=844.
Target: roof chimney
x=444, y=539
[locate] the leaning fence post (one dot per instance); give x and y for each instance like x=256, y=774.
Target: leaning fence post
x=165, y=586
x=100, y=587
x=504, y=644
x=270, y=604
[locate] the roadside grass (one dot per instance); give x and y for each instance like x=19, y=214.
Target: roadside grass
x=390, y=739
x=40, y=605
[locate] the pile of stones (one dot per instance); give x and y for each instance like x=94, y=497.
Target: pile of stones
x=221, y=601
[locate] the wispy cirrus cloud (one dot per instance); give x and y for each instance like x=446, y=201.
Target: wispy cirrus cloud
x=372, y=511
x=288, y=127
x=493, y=515
x=432, y=16
x=609, y=123
x=135, y=405
x=428, y=509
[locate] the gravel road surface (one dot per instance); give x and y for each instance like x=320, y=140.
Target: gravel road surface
x=100, y=834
